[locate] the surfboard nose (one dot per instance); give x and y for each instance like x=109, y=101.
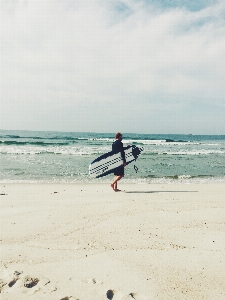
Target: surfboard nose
x=136, y=151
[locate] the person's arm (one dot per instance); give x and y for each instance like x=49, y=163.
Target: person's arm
x=122, y=153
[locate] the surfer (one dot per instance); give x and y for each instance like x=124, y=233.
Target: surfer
x=119, y=172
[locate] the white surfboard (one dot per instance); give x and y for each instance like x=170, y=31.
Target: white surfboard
x=107, y=163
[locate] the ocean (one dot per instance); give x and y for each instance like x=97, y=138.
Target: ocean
x=42, y=157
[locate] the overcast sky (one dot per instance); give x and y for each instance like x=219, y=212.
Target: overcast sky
x=144, y=66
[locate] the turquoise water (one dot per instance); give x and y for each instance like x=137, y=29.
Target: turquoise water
x=28, y=156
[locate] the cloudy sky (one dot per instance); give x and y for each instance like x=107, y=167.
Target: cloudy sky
x=144, y=66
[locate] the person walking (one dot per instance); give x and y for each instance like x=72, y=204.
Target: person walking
x=119, y=172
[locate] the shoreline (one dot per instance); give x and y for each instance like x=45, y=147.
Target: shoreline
x=135, y=181
x=150, y=241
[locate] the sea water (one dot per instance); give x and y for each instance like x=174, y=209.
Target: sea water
x=32, y=156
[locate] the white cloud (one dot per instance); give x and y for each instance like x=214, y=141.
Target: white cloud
x=129, y=54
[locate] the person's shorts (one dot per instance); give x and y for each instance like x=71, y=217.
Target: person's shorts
x=119, y=171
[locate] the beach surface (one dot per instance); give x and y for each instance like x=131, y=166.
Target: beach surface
x=85, y=241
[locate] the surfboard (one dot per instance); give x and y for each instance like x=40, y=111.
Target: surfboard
x=108, y=162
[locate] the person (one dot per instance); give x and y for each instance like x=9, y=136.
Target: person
x=119, y=172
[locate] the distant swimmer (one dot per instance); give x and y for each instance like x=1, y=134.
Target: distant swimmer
x=119, y=172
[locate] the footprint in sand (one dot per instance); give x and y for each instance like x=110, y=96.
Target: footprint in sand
x=30, y=282
x=31, y=285
x=114, y=295
x=8, y=279
x=2, y=284
x=135, y=296
x=109, y=294
x=92, y=281
x=11, y=280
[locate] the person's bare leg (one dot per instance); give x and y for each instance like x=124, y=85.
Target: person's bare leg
x=114, y=184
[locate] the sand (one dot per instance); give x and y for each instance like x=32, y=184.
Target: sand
x=84, y=241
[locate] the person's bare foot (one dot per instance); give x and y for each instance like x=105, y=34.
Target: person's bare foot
x=117, y=190
x=112, y=186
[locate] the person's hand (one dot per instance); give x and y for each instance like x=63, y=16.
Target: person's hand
x=124, y=164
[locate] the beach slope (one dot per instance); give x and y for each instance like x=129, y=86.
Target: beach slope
x=85, y=241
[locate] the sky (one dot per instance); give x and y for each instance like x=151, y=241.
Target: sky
x=141, y=66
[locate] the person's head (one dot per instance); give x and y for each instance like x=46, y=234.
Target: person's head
x=119, y=136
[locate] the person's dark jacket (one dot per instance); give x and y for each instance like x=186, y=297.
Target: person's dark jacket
x=118, y=146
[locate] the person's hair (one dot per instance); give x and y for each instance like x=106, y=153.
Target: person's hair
x=118, y=135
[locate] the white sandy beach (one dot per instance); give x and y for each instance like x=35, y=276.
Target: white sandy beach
x=78, y=241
